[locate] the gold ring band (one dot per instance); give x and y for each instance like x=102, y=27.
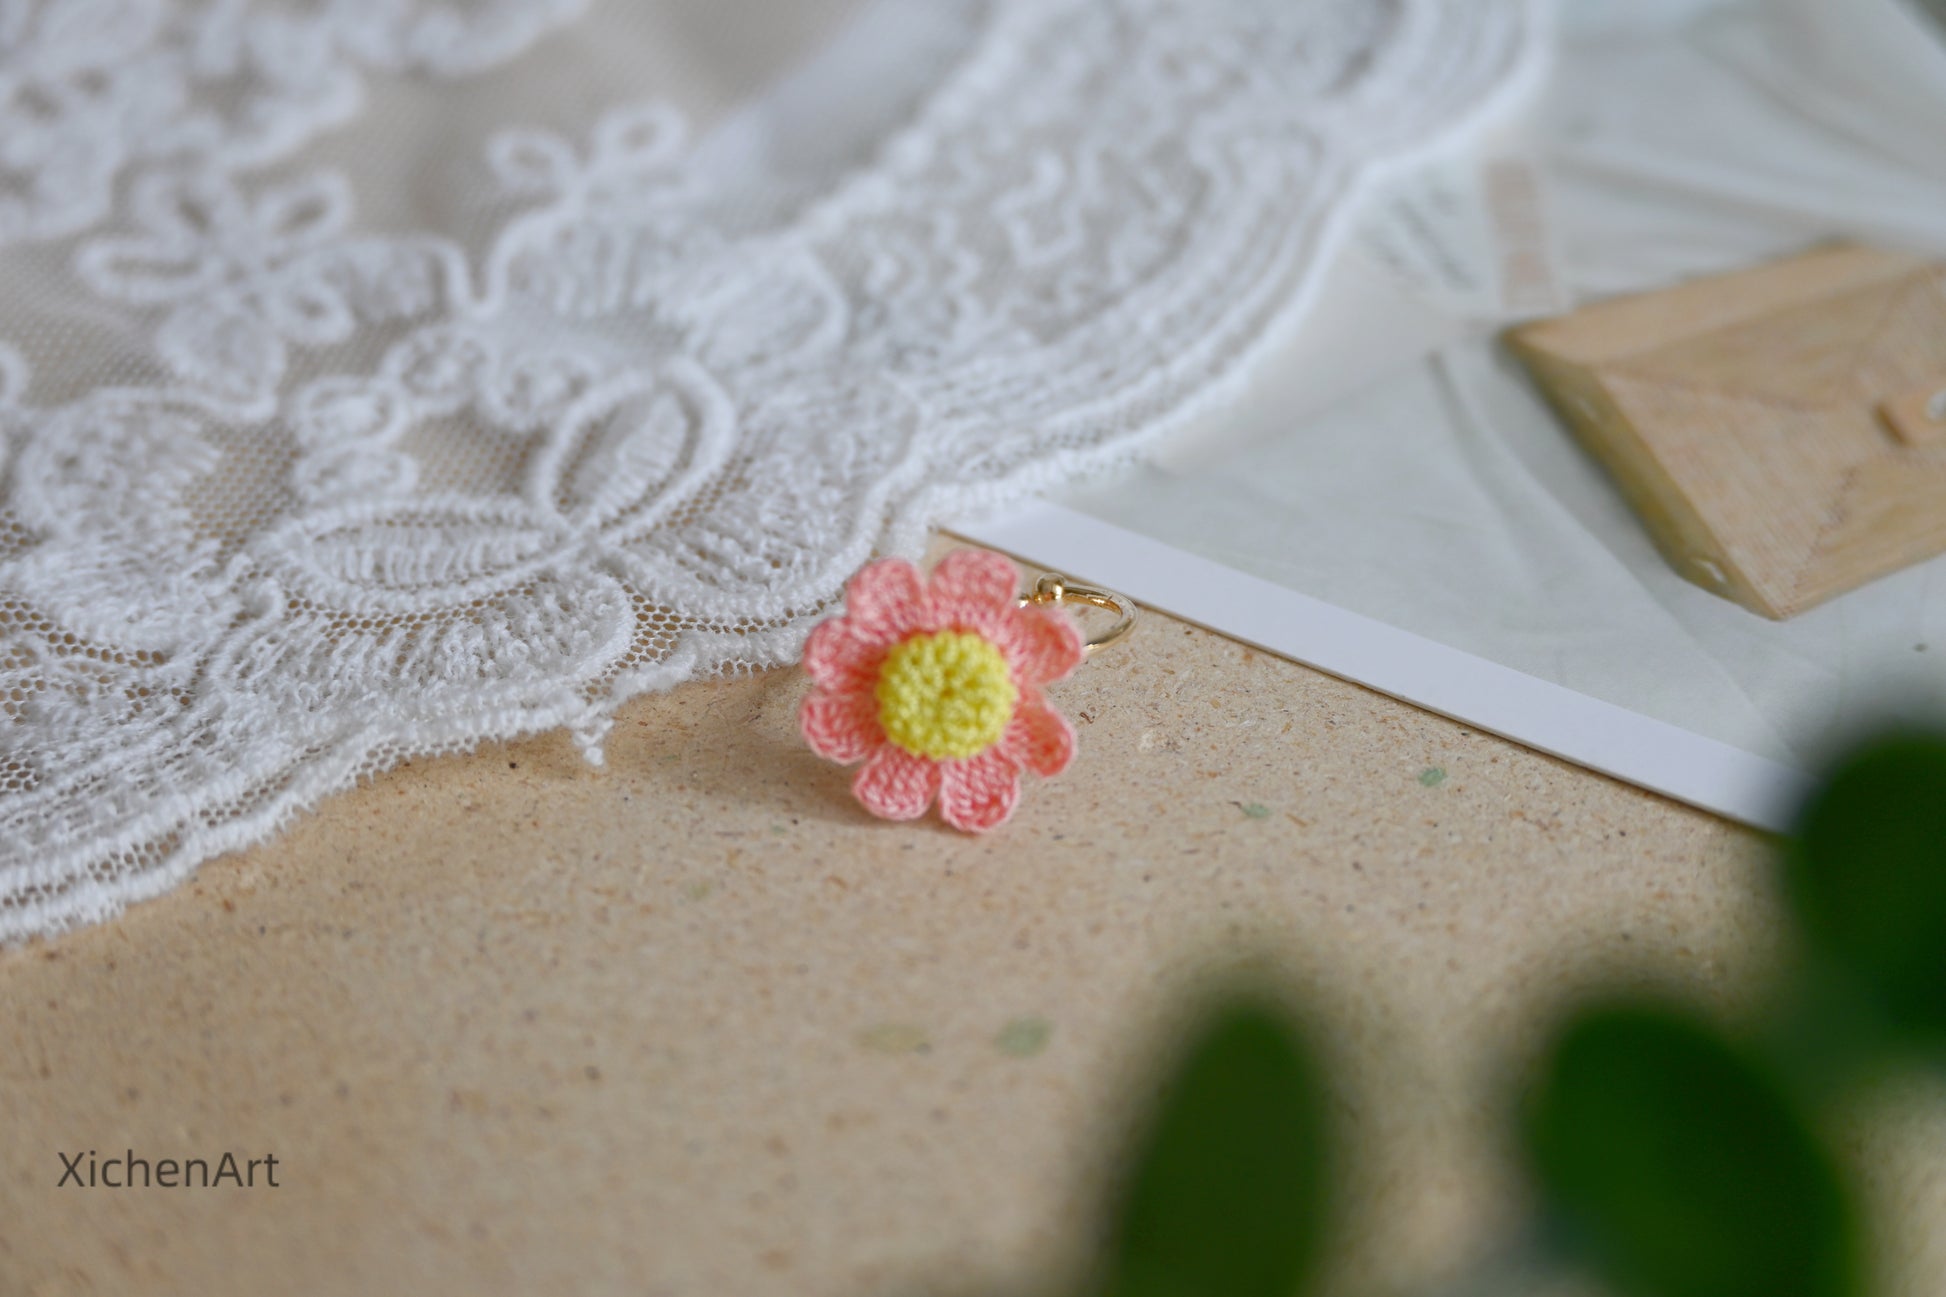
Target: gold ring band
x=1056, y=589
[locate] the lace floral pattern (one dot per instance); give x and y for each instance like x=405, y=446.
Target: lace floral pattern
x=90, y=88
x=370, y=495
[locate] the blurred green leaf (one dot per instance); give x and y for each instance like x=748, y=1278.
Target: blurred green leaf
x=1228, y=1194
x=1866, y=876
x=1679, y=1168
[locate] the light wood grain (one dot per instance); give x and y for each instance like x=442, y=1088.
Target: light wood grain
x=1753, y=420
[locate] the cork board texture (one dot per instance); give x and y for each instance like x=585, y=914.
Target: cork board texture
x=694, y=1024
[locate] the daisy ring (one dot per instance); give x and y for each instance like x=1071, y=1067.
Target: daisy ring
x=936, y=685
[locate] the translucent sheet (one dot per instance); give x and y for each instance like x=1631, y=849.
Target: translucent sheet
x=1395, y=463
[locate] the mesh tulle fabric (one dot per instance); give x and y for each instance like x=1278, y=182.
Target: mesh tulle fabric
x=380, y=377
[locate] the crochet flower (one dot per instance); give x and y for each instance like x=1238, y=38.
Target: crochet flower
x=936, y=687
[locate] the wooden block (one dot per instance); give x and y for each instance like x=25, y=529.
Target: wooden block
x=1918, y=418
x=1777, y=430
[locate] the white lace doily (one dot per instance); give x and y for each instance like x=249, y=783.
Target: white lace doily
x=574, y=412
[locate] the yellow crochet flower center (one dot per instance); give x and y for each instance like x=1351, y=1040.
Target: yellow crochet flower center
x=947, y=695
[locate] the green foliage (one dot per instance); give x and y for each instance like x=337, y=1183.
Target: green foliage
x=1228, y=1196
x=1679, y=1167
x=1671, y=1161
x=1866, y=878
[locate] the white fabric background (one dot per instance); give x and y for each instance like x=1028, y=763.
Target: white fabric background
x=1440, y=495
x=382, y=376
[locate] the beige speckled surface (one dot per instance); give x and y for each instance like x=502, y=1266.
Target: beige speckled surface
x=693, y=1024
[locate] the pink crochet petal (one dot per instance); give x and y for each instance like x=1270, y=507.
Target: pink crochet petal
x=896, y=784
x=974, y=590
x=1039, y=738
x=887, y=601
x=1042, y=645
x=838, y=658
x=841, y=726
x=980, y=792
